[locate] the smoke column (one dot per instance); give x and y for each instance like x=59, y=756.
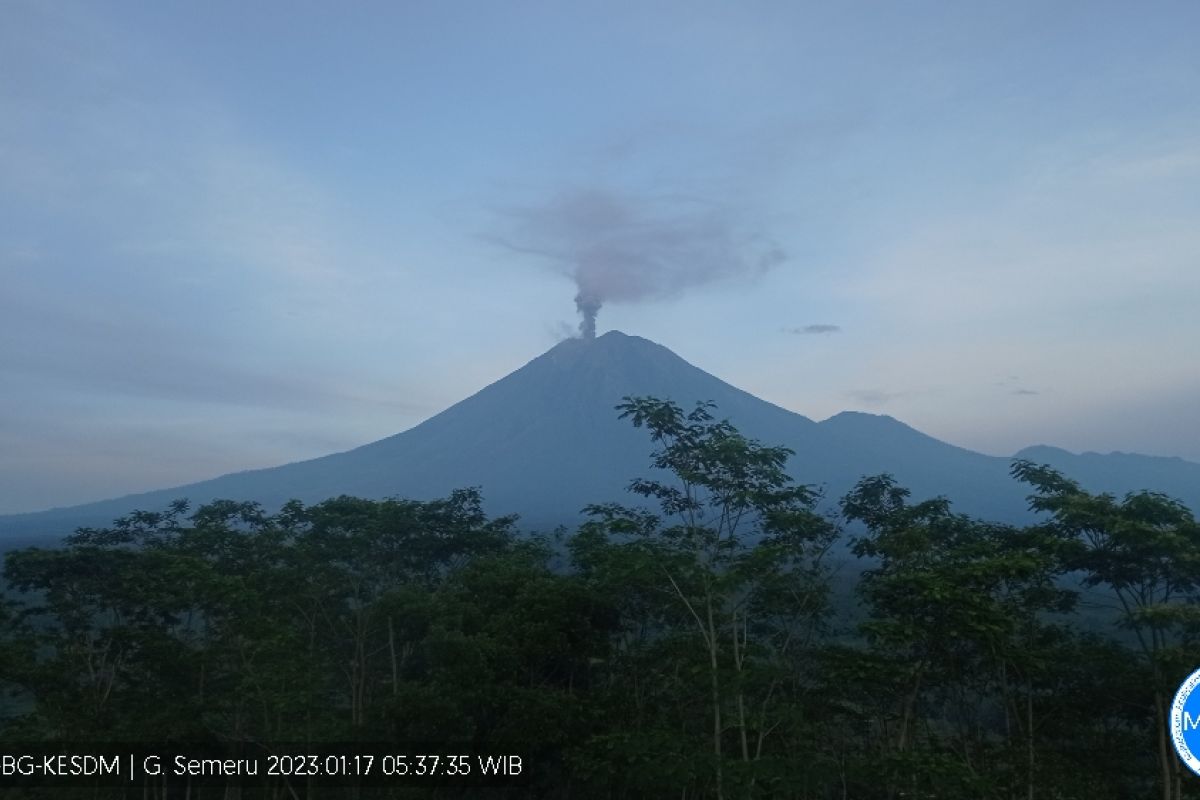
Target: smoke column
x=587, y=307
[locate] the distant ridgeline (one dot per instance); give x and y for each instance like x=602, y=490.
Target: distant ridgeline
x=544, y=441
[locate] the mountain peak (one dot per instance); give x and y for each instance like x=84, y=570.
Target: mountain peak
x=612, y=351
x=606, y=340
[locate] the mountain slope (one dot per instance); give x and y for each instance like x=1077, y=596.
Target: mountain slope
x=545, y=440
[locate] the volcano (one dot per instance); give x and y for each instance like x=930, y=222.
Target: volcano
x=545, y=441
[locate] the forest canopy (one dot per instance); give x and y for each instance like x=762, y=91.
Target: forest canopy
x=737, y=641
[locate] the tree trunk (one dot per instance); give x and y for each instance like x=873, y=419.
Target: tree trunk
x=909, y=702
x=1029, y=749
x=741, y=697
x=1164, y=747
x=392, y=651
x=716, y=696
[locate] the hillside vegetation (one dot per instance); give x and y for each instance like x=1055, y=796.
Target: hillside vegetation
x=692, y=652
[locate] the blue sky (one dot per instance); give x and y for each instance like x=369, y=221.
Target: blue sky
x=234, y=235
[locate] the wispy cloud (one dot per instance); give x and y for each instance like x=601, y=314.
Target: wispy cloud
x=809, y=330
x=873, y=397
x=1171, y=163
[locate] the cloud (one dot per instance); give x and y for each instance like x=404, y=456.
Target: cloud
x=1010, y=383
x=808, y=330
x=872, y=397
x=1170, y=163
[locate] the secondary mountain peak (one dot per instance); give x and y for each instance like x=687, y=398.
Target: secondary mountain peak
x=879, y=431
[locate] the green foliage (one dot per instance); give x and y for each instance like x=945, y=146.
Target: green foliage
x=685, y=651
x=1145, y=551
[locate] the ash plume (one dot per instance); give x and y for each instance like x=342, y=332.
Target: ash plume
x=625, y=248
x=588, y=307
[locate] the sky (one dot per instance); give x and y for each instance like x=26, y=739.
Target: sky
x=235, y=235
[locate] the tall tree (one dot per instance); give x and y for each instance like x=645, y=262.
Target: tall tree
x=955, y=614
x=1145, y=550
x=739, y=548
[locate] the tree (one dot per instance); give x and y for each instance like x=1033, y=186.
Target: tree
x=1145, y=549
x=956, y=614
x=739, y=549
